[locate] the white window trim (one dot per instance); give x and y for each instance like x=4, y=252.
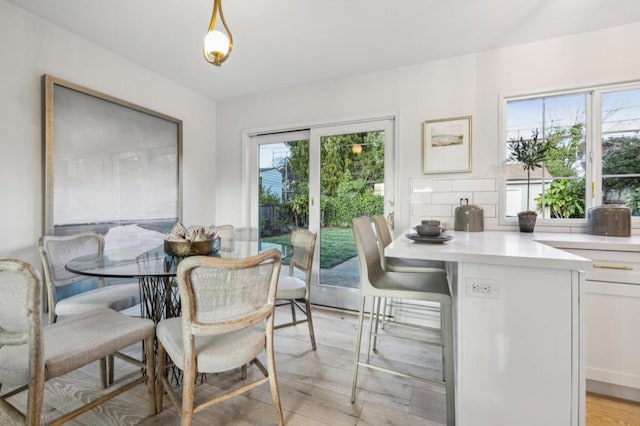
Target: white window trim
x=593, y=151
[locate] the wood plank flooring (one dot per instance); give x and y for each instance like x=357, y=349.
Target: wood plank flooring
x=314, y=387
x=605, y=411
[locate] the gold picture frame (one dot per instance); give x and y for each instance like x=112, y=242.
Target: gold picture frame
x=447, y=145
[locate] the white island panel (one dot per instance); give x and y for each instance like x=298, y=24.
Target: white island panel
x=515, y=346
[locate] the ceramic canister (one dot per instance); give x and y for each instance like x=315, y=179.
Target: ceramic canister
x=468, y=217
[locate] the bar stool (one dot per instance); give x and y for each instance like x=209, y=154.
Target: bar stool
x=428, y=286
x=395, y=264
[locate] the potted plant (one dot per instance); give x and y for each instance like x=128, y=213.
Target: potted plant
x=530, y=154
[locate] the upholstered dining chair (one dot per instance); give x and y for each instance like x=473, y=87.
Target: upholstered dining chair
x=55, y=252
x=31, y=354
x=378, y=283
x=294, y=290
x=227, y=234
x=227, y=321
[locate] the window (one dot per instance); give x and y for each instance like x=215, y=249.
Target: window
x=620, y=147
x=593, y=156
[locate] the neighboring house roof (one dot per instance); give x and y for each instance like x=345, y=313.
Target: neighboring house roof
x=516, y=172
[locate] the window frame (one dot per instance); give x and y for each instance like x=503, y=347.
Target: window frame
x=593, y=149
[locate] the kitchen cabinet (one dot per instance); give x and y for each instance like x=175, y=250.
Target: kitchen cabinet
x=612, y=302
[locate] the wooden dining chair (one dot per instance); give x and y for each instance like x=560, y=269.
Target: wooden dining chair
x=227, y=234
x=227, y=321
x=31, y=354
x=91, y=293
x=378, y=283
x=294, y=290
x=55, y=252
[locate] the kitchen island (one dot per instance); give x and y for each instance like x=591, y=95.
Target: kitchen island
x=519, y=333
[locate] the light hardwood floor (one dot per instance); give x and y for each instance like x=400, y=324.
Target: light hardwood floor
x=605, y=411
x=314, y=387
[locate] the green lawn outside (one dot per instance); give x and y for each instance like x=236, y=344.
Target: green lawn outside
x=336, y=245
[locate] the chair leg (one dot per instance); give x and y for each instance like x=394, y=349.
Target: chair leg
x=442, y=327
x=447, y=340
x=372, y=317
x=35, y=397
x=312, y=335
x=110, y=369
x=151, y=374
x=381, y=300
x=384, y=314
x=356, y=358
x=293, y=312
x=273, y=381
x=162, y=372
x=244, y=372
x=188, y=390
x=103, y=373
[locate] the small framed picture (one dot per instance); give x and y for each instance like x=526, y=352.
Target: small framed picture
x=447, y=145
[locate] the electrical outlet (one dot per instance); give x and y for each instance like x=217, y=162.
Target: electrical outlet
x=482, y=287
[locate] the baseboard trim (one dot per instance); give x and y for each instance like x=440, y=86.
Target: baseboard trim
x=616, y=391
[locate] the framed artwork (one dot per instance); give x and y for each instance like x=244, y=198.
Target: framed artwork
x=107, y=162
x=447, y=145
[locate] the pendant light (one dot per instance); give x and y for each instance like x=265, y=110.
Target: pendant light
x=217, y=45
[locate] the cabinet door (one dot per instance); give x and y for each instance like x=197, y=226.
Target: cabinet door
x=613, y=333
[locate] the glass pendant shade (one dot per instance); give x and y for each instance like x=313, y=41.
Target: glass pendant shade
x=217, y=45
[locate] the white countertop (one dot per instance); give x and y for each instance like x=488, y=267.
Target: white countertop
x=492, y=247
x=590, y=242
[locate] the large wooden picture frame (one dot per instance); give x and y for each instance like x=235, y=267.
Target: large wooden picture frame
x=447, y=145
x=107, y=162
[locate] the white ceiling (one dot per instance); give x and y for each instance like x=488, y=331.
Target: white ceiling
x=285, y=43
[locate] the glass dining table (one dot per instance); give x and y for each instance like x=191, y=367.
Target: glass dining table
x=155, y=271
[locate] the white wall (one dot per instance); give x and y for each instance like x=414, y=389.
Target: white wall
x=465, y=85
x=31, y=47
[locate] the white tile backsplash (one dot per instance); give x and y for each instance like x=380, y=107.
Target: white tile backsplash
x=426, y=211
x=451, y=197
x=437, y=198
x=490, y=210
x=476, y=184
x=421, y=197
x=431, y=185
x=491, y=223
x=485, y=198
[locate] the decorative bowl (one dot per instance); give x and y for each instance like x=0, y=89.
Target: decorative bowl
x=428, y=230
x=191, y=248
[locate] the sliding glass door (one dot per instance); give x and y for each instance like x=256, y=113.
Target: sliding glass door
x=320, y=179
